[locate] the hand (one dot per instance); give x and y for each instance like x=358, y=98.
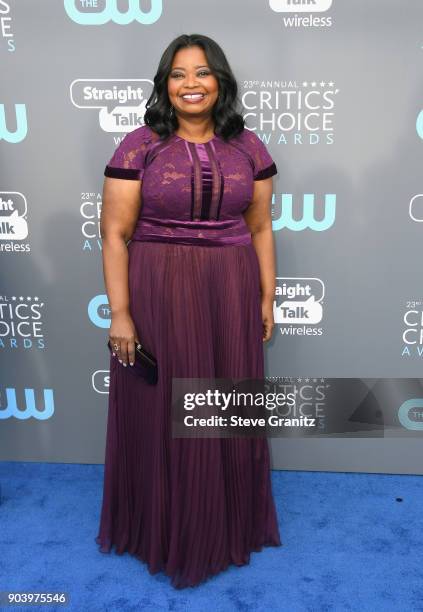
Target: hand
x=267, y=318
x=124, y=335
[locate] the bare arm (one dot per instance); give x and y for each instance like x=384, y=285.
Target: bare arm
x=119, y=214
x=259, y=220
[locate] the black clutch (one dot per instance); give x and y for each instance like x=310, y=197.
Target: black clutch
x=145, y=364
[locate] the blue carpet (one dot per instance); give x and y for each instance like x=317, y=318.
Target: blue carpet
x=348, y=544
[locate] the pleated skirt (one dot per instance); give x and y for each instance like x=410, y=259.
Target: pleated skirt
x=188, y=507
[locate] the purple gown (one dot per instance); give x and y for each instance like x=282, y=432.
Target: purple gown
x=188, y=507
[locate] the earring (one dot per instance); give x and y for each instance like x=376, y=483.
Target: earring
x=171, y=110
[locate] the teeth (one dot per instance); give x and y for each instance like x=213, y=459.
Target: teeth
x=193, y=96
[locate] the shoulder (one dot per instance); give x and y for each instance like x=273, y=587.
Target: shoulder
x=141, y=135
x=249, y=139
x=256, y=150
x=251, y=144
x=128, y=159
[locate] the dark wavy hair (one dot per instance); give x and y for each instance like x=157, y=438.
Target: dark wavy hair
x=227, y=121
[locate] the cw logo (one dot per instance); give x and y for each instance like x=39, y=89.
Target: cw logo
x=110, y=12
x=300, y=6
x=307, y=221
x=21, y=124
x=99, y=311
x=410, y=414
x=30, y=410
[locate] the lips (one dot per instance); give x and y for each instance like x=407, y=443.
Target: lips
x=194, y=97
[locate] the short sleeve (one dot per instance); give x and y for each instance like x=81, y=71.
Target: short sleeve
x=127, y=162
x=263, y=164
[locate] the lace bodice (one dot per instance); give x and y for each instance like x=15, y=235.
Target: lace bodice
x=193, y=193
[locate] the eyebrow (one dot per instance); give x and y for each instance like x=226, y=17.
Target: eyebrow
x=180, y=67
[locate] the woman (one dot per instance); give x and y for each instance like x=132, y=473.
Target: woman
x=191, y=190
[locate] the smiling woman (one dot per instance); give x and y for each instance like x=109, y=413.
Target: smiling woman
x=195, y=286
x=184, y=90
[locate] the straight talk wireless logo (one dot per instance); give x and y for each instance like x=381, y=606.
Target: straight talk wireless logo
x=120, y=103
x=13, y=222
x=298, y=305
x=299, y=9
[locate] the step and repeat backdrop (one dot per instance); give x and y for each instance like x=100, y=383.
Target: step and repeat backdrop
x=334, y=88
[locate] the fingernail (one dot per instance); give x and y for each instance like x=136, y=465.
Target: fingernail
x=113, y=355
x=131, y=363
x=125, y=365
x=120, y=360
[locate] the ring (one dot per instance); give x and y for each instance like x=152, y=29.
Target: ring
x=115, y=346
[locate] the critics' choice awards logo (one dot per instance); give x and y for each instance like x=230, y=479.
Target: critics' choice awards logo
x=6, y=25
x=27, y=406
x=21, y=322
x=120, y=102
x=99, y=12
x=412, y=335
x=297, y=113
x=284, y=217
x=295, y=20
x=90, y=211
x=19, y=120
x=13, y=222
x=298, y=305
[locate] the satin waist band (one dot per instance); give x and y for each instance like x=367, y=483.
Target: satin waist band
x=211, y=233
